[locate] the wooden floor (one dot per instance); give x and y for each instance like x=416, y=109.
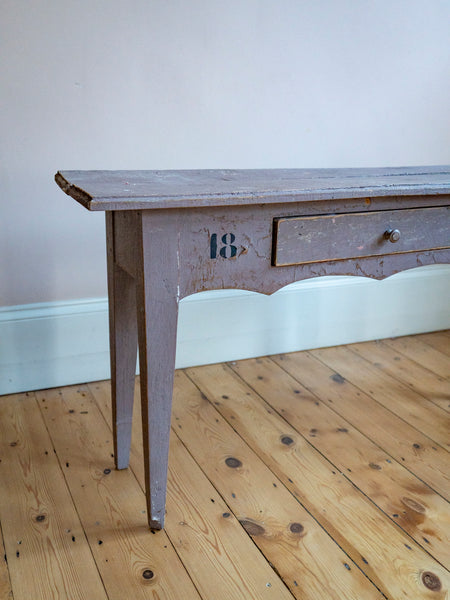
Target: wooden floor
x=315, y=475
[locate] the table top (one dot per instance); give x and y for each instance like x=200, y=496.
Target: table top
x=138, y=190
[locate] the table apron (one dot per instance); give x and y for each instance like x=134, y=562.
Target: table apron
x=233, y=247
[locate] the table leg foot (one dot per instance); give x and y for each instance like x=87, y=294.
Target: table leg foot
x=156, y=523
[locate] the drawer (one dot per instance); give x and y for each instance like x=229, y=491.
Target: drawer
x=299, y=240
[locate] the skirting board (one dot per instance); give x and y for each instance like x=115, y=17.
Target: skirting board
x=61, y=343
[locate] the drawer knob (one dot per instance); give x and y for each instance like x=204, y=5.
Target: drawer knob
x=393, y=235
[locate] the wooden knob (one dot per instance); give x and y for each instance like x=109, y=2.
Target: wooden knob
x=393, y=235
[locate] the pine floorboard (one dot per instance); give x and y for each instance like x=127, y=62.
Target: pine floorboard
x=318, y=475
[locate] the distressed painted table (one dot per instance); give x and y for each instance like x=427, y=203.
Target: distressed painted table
x=173, y=233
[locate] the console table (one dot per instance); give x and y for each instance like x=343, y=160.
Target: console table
x=174, y=233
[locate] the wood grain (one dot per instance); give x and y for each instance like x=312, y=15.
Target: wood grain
x=110, y=503
x=259, y=492
x=422, y=354
x=327, y=494
x=400, y=440
x=439, y=340
x=307, y=559
x=42, y=532
x=411, y=504
x=433, y=387
x=215, y=549
x=409, y=405
x=5, y=582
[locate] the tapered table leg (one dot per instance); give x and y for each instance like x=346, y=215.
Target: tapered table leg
x=157, y=309
x=123, y=349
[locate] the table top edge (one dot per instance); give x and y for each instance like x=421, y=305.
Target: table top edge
x=91, y=188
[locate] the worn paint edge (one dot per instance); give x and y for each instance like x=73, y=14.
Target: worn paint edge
x=61, y=343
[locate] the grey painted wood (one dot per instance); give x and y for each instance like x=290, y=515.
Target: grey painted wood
x=131, y=190
x=338, y=237
x=123, y=347
x=251, y=267
x=157, y=300
x=222, y=236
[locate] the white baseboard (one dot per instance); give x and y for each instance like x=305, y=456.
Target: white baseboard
x=61, y=343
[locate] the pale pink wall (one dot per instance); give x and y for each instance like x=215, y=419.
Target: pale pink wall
x=180, y=84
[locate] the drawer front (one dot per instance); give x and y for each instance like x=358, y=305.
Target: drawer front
x=299, y=240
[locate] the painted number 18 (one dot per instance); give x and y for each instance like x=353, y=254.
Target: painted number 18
x=227, y=250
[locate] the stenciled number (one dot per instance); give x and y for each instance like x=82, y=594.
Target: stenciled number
x=227, y=250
